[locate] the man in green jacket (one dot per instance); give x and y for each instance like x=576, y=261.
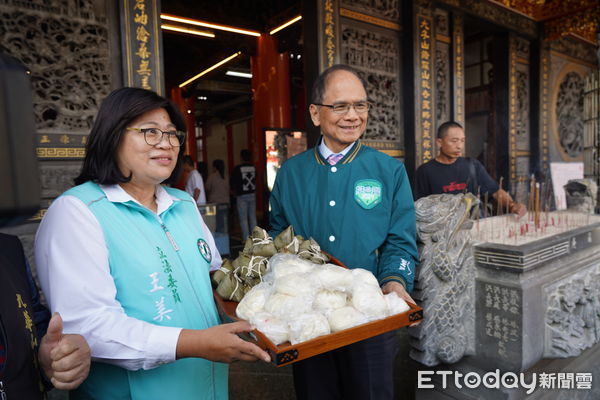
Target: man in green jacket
x=357, y=203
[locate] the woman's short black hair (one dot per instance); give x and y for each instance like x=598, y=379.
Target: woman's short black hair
x=118, y=110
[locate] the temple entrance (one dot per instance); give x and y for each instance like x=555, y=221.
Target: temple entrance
x=486, y=79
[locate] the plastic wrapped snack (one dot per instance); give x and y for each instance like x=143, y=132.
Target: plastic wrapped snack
x=329, y=300
x=283, y=264
x=345, y=317
x=308, y=326
x=253, y=301
x=396, y=305
x=364, y=277
x=275, y=329
x=285, y=307
x=370, y=301
x=299, y=285
x=333, y=277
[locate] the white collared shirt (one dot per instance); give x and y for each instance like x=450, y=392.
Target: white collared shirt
x=75, y=277
x=326, y=151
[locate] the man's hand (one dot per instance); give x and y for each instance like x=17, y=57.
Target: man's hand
x=220, y=343
x=64, y=358
x=393, y=286
x=518, y=208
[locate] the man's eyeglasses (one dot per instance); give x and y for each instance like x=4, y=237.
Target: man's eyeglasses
x=153, y=136
x=343, y=108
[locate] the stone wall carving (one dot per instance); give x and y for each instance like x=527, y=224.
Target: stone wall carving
x=65, y=46
x=387, y=9
x=572, y=321
x=444, y=285
x=375, y=53
x=55, y=179
x=569, y=114
x=576, y=49
x=441, y=22
x=497, y=14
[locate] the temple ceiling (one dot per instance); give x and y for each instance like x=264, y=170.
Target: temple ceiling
x=560, y=17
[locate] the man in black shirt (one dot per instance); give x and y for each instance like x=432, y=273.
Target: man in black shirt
x=243, y=186
x=451, y=173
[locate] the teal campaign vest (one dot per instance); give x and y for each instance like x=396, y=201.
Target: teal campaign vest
x=160, y=266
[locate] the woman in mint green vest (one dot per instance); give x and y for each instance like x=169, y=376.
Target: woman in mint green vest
x=126, y=262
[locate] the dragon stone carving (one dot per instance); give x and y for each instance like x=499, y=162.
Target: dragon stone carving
x=444, y=284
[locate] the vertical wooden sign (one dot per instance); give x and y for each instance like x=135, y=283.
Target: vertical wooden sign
x=142, y=44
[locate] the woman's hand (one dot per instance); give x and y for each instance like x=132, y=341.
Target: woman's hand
x=220, y=343
x=65, y=359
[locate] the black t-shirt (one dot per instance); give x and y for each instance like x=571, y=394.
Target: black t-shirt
x=243, y=179
x=465, y=174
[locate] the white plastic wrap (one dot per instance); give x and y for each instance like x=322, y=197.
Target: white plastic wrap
x=282, y=264
x=296, y=284
x=329, y=300
x=253, y=301
x=369, y=300
x=333, y=277
x=396, y=305
x=345, y=317
x=308, y=326
x=287, y=307
x=272, y=327
x=364, y=277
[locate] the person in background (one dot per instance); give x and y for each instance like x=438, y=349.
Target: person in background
x=126, y=260
x=217, y=190
x=451, y=173
x=217, y=187
x=243, y=186
x=33, y=347
x=194, y=184
x=356, y=202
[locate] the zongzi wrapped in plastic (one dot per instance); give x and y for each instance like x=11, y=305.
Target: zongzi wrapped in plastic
x=275, y=329
x=333, y=277
x=344, y=318
x=396, y=304
x=284, y=306
x=369, y=300
x=329, y=300
x=284, y=264
x=253, y=301
x=308, y=326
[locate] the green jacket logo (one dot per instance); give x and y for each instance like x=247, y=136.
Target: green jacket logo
x=367, y=193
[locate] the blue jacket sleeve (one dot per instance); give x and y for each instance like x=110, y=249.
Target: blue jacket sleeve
x=399, y=255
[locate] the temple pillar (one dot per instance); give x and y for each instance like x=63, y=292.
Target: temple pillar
x=271, y=108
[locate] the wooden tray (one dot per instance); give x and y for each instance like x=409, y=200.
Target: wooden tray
x=286, y=353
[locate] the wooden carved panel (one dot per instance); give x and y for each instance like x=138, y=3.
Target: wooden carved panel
x=375, y=53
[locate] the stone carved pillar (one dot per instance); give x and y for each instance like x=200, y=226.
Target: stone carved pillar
x=445, y=285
